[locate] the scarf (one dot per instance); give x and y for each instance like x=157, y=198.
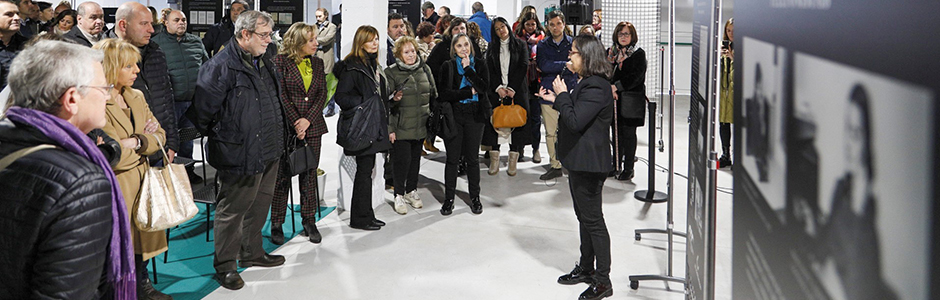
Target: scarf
x=120, y=263
x=616, y=55
x=463, y=79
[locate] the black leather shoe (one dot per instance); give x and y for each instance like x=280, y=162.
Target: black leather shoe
x=277, y=234
x=625, y=175
x=448, y=207
x=312, y=233
x=266, y=260
x=724, y=162
x=551, y=174
x=145, y=290
x=577, y=275
x=230, y=280
x=378, y=222
x=597, y=291
x=475, y=206
x=369, y=226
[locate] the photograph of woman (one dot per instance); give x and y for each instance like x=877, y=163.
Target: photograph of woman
x=584, y=118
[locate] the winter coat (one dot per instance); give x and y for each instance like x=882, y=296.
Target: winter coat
x=441, y=53
x=630, y=79
x=485, y=24
x=183, y=57
x=357, y=83
x=133, y=164
x=77, y=36
x=726, y=102
x=326, y=37
x=551, y=59
x=518, y=64
x=218, y=35
x=7, y=54
x=584, y=117
x=299, y=103
x=408, y=118
x=56, y=212
x=231, y=100
x=450, y=91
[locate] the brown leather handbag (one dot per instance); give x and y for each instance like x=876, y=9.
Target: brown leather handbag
x=509, y=116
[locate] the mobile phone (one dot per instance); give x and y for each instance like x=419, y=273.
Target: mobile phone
x=401, y=86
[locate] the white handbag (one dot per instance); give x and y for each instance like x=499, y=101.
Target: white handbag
x=166, y=197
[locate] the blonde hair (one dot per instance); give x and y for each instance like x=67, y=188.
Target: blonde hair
x=364, y=34
x=294, y=40
x=400, y=43
x=165, y=14
x=117, y=55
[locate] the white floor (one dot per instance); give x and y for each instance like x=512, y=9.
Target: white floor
x=526, y=237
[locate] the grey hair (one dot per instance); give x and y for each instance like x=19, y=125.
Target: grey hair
x=426, y=5
x=84, y=6
x=40, y=74
x=477, y=7
x=248, y=20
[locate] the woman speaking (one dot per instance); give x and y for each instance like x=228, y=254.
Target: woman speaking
x=584, y=117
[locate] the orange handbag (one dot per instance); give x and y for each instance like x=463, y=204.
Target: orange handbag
x=509, y=116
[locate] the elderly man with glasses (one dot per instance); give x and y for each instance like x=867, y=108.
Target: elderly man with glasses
x=239, y=109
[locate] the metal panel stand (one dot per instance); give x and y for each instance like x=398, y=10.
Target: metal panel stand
x=635, y=279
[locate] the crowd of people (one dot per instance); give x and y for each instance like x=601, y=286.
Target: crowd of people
x=91, y=109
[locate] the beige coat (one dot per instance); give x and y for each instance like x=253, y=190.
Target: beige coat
x=133, y=165
x=325, y=37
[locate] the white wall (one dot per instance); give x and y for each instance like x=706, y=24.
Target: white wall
x=365, y=12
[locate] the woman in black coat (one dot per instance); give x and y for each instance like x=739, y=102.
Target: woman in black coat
x=361, y=79
x=507, y=59
x=628, y=81
x=584, y=117
x=463, y=84
x=440, y=54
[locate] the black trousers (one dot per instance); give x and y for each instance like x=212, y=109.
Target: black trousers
x=724, y=131
x=406, y=157
x=465, y=144
x=586, y=191
x=361, y=213
x=534, y=120
x=626, y=145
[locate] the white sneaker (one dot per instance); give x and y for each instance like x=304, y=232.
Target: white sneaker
x=413, y=199
x=400, y=207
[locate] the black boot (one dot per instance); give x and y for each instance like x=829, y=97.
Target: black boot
x=193, y=178
x=577, y=275
x=724, y=161
x=312, y=233
x=475, y=206
x=145, y=290
x=277, y=234
x=448, y=207
x=597, y=291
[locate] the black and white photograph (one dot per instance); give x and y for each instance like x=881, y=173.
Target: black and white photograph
x=763, y=96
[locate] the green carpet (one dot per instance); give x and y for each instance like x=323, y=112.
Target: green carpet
x=187, y=274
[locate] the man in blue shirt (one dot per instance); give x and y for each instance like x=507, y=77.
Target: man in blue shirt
x=552, y=55
x=479, y=17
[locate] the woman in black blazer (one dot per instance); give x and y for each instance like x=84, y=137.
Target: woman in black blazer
x=629, y=80
x=583, y=148
x=463, y=83
x=507, y=59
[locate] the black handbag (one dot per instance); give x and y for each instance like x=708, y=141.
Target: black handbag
x=302, y=157
x=632, y=106
x=441, y=121
x=358, y=127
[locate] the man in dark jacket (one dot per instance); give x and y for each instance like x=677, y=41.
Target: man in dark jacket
x=219, y=34
x=428, y=14
x=396, y=29
x=185, y=53
x=134, y=26
x=11, y=42
x=57, y=205
x=29, y=17
x=89, y=27
x=240, y=111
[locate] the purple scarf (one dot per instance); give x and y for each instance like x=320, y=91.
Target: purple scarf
x=120, y=262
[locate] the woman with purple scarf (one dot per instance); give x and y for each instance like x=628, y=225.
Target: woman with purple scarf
x=66, y=232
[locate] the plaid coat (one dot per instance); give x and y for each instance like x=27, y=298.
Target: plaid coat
x=299, y=103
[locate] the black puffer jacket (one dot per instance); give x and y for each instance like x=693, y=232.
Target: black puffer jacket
x=218, y=35
x=357, y=85
x=154, y=82
x=240, y=112
x=55, y=221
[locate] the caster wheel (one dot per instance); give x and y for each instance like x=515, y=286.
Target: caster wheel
x=636, y=236
x=634, y=284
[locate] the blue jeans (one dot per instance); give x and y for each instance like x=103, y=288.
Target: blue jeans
x=186, y=147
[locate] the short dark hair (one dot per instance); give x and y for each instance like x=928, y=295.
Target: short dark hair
x=394, y=16
x=445, y=8
x=593, y=58
x=426, y=5
x=424, y=29
x=456, y=21
x=557, y=14
x=477, y=7
x=633, y=37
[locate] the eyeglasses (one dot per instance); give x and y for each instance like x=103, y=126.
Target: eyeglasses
x=106, y=89
x=572, y=52
x=624, y=34
x=264, y=35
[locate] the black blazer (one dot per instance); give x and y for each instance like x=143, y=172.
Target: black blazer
x=584, y=117
x=450, y=91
